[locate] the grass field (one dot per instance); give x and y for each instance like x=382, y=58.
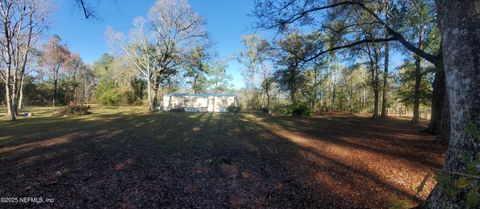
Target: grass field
x=125, y=157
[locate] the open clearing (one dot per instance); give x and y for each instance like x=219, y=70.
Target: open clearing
x=127, y=158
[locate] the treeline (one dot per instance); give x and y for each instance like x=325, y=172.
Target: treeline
x=351, y=35
x=169, y=51
x=282, y=73
x=166, y=51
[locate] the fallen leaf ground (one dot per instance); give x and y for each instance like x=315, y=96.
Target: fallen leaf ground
x=127, y=158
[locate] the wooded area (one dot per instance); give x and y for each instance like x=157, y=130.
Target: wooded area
x=417, y=59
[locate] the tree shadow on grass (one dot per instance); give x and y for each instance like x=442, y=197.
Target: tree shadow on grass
x=393, y=161
x=395, y=138
x=176, y=160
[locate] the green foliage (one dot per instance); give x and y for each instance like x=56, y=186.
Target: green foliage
x=233, y=108
x=196, y=69
x=447, y=184
x=395, y=202
x=471, y=129
x=405, y=86
x=219, y=80
x=102, y=65
x=467, y=183
x=138, y=86
x=472, y=199
x=299, y=110
x=109, y=94
x=292, y=50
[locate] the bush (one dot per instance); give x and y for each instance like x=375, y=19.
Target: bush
x=114, y=96
x=181, y=109
x=298, y=110
x=233, y=108
x=108, y=93
x=73, y=110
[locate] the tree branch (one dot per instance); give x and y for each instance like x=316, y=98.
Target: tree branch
x=349, y=45
x=84, y=9
x=398, y=36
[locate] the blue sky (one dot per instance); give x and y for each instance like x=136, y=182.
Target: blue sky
x=226, y=21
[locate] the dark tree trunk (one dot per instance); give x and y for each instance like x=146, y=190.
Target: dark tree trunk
x=333, y=97
x=154, y=101
x=439, y=121
x=459, y=22
x=385, y=72
x=315, y=83
x=416, y=93
x=194, y=85
x=385, y=85
x=375, y=103
x=375, y=83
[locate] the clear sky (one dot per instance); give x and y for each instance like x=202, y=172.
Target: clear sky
x=227, y=21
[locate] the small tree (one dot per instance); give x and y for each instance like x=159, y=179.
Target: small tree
x=196, y=69
x=218, y=78
x=55, y=56
x=290, y=58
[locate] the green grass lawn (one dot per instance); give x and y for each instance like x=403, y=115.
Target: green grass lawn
x=125, y=157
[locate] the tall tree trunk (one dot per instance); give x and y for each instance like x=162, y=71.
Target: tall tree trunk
x=459, y=21
x=194, y=85
x=20, y=97
x=55, y=81
x=375, y=102
x=385, y=84
x=333, y=97
x=352, y=100
x=418, y=79
x=9, y=98
x=385, y=72
x=154, y=101
x=416, y=93
x=374, y=66
x=268, y=99
x=364, y=99
x=439, y=121
x=149, y=94
x=315, y=89
x=13, y=94
x=292, y=95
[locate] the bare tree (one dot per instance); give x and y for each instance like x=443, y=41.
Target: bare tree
x=22, y=23
x=176, y=30
x=253, y=57
x=140, y=52
x=159, y=51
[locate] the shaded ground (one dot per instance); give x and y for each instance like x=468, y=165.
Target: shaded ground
x=126, y=158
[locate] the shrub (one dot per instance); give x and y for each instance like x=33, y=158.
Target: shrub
x=233, y=108
x=115, y=96
x=73, y=110
x=177, y=109
x=299, y=110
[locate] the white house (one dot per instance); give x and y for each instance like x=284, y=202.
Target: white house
x=199, y=102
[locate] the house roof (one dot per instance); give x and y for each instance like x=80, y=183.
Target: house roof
x=202, y=95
